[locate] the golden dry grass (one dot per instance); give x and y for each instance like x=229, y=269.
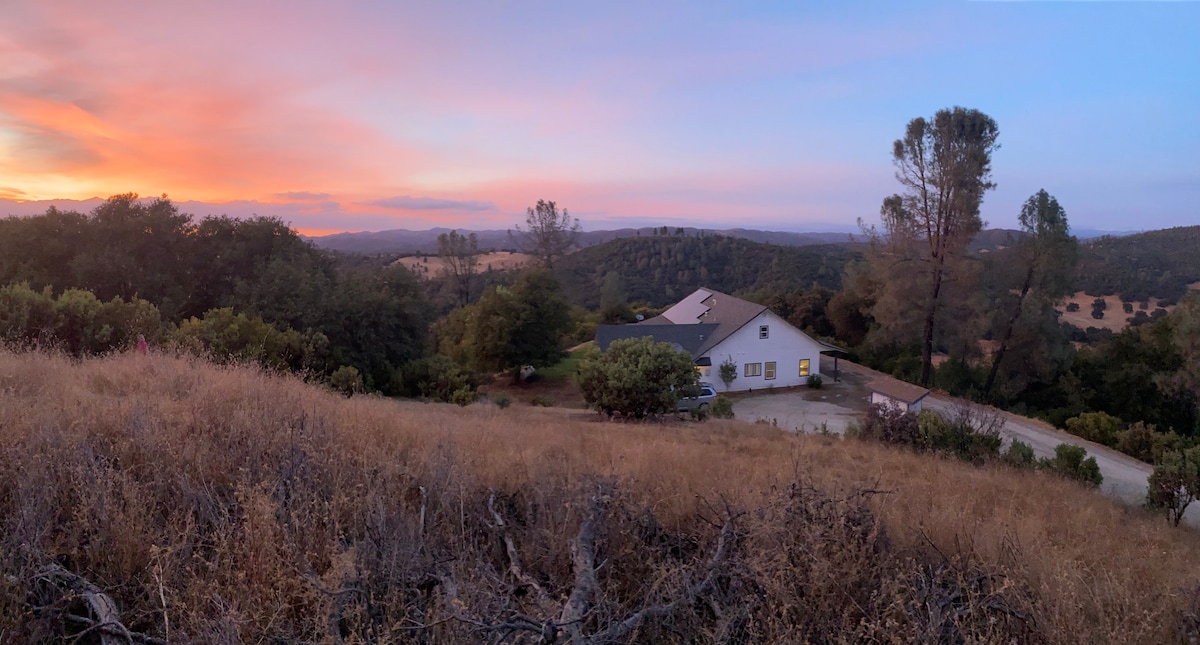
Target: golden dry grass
x=229, y=503
x=1115, y=318
x=432, y=265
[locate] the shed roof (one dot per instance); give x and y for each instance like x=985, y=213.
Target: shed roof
x=898, y=390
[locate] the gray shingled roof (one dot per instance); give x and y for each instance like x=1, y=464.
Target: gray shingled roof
x=716, y=320
x=687, y=337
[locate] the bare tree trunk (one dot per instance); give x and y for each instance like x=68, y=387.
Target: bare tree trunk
x=927, y=339
x=1012, y=322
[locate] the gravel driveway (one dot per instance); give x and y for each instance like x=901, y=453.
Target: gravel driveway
x=839, y=404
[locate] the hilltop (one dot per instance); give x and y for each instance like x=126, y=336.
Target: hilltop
x=225, y=504
x=406, y=242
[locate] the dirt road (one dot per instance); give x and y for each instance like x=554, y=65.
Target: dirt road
x=843, y=403
x=1124, y=477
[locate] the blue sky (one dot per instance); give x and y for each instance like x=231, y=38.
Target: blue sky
x=372, y=116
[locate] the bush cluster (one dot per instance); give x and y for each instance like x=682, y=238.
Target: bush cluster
x=971, y=434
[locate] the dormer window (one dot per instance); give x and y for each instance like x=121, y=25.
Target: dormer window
x=764, y=331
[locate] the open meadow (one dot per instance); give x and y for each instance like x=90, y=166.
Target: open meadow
x=224, y=504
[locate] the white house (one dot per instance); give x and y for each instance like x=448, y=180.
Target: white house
x=716, y=328
x=897, y=394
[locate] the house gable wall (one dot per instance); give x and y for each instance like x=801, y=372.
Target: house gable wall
x=785, y=345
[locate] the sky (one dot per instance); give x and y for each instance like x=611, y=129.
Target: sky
x=352, y=116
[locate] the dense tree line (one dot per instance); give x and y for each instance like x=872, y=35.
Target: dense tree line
x=217, y=271
x=1155, y=265
x=661, y=270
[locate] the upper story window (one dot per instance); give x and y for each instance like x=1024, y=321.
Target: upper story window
x=764, y=331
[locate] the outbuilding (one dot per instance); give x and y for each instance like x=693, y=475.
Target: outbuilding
x=896, y=393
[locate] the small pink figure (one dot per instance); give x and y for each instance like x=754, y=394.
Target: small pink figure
x=142, y=346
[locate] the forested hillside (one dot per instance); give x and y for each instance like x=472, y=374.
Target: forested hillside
x=661, y=270
x=1154, y=264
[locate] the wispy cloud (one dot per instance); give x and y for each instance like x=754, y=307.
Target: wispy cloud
x=303, y=196
x=707, y=112
x=430, y=204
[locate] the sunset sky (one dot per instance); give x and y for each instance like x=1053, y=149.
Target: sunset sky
x=774, y=115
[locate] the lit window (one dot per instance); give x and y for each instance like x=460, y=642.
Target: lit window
x=804, y=367
x=753, y=369
x=764, y=331
x=770, y=371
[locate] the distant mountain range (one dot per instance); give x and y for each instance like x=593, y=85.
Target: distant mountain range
x=401, y=241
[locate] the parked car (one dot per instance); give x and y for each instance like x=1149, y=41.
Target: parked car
x=702, y=402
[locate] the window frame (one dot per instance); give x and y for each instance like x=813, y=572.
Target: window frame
x=747, y=368
x=805, y=367
x=764, y=332
x=770, y=370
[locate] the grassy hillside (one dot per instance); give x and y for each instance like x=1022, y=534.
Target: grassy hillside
x=220, y=505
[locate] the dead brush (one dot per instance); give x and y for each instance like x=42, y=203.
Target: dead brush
x=222, y=504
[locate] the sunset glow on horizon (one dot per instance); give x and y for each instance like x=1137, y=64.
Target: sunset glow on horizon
x=377, y=116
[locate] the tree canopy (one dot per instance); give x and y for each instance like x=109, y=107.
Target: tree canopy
x=944, y=167
x=548, y=234
x=1042, y=261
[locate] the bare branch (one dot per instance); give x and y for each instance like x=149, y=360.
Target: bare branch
x=514, y=559
x=618, y=631
x=583, y=559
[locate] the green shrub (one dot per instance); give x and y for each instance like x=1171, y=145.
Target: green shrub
x=957, y=435
x=439, y=378
x=502, y=400
x=463, y=396
x=890, y=424
x=1019, y=454
x=346, y=380
x=541, y=401
x=636, y=378
x=1072, y=462
x=1175, y=483
x=814, y=381
x=728, y=371
x=1072, y=306
x=722, y=407
x=1140, y=441
x=1100, y=427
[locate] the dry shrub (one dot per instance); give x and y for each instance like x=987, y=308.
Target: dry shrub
x=223, y=504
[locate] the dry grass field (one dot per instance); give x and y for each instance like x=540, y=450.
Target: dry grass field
x=431, y=265
x=1115, y=318
x=224, y=505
